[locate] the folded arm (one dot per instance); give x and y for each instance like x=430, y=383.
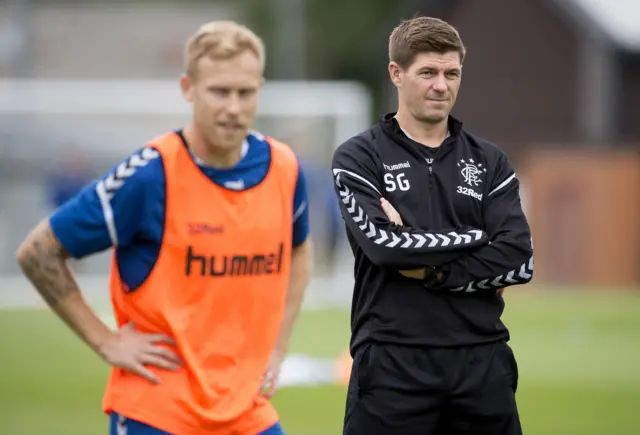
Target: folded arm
x=382, y=241
x=508, y=259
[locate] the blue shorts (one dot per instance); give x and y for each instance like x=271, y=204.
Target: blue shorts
x=124, y=426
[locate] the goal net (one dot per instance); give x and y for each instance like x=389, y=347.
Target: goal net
x=43, y=120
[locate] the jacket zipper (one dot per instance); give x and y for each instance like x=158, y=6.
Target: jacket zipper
x=431, y=160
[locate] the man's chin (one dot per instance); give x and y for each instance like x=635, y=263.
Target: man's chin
x=224, y=143
x=230, y=139
x=434, y=118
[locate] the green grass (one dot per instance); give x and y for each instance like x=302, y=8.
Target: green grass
x=578, y=354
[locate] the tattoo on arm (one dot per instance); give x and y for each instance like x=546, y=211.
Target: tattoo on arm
x=44, y=261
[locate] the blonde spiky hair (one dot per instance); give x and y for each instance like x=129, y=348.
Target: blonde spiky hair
x=221, y=40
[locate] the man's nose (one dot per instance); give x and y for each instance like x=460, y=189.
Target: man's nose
x=440, y=83
x=233, y=104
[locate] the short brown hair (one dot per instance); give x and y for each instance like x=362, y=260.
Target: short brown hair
x=221, y=40
x=423, y=35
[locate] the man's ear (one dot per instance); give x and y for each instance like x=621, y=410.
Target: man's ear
x=395, y=73
x=186, y=85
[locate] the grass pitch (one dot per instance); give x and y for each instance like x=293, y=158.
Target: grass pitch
x=578, y=355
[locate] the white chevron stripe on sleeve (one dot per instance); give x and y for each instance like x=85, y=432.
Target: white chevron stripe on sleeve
x=106, y=188
x=107, y=212
x=387, y=238
x=520, y=275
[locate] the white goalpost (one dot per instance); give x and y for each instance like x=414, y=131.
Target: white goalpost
x=348, y=103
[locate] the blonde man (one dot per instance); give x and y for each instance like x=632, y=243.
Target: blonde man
x=211, y=257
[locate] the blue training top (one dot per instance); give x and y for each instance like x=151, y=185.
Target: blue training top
x=135, y=211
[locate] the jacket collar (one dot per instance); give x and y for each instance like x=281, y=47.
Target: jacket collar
x=390, y=127
x=390, y=124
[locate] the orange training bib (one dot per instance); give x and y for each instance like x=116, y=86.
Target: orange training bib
x=218, y=288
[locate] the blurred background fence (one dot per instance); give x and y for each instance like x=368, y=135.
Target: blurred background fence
x=555, y=83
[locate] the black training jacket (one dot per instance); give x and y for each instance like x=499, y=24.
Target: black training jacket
x=461, y=212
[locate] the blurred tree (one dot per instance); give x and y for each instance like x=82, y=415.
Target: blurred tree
x=345, y=40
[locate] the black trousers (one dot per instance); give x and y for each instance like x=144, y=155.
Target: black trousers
x=401, y=390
